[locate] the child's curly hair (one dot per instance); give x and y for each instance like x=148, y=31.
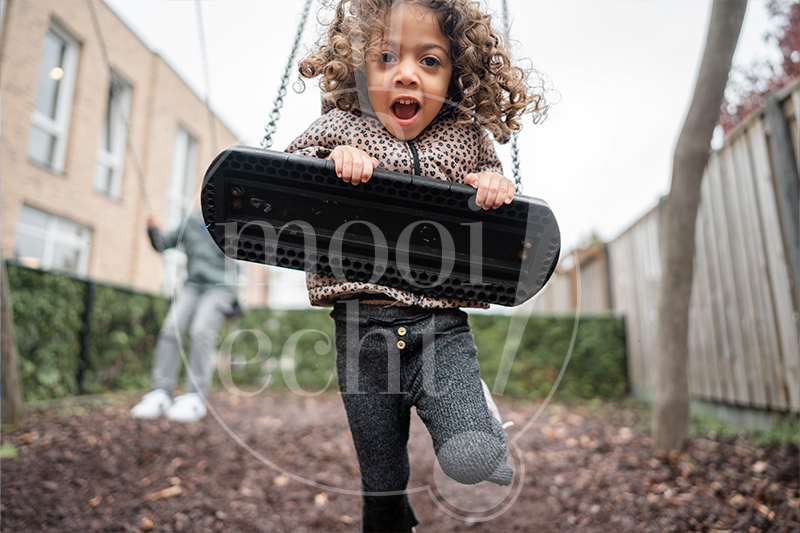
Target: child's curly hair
x=485, y=87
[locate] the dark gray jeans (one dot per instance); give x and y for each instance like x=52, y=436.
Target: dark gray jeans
x=205, y=309
x=390, y=359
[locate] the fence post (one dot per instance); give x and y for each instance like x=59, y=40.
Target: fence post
x=86, y=334
x=786, y=186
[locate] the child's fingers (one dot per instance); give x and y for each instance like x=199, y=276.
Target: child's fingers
x=366, y=174
x=347, y=165
x=492, y=188
x=502, y=192
x=336, y=157
x=357, y=171
x=483, y=190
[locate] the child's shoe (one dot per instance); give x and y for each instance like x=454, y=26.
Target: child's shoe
x=152, y=405
x=187, y=408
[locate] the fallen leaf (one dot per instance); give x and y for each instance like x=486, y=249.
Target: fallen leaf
x=147, y=524
x=27, y=438
x=94, y=502
x=738, y=502
x=282, y=480
x=759, y=467
x=321, y=499
x=166, y=493
x=346, y=520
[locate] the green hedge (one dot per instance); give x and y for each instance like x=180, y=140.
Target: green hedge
x=48, y=319
x=49, y=308
x=125, y=326
x=596, y=366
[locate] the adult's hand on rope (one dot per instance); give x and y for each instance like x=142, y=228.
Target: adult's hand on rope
x=353, y=165
x=494, y=189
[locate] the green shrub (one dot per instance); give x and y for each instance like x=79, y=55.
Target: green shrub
x=48, y=312
x=596, y=366
x=312, y=370
x=125, y=327
x=48, y=317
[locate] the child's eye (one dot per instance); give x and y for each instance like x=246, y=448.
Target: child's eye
x=430, y=62
x=387, y=57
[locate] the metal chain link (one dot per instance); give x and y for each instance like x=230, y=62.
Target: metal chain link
x=271, y=127
x=514, y=146
x=115, y=85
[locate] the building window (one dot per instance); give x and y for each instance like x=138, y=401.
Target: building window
x=182, y=185
x=183, y=180
x=113, y=138
x=50, y=121
x=51, y=242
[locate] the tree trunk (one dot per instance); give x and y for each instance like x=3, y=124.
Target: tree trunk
x=10, y=387
x=671, y=405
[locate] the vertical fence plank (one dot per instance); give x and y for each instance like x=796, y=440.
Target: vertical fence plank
x=777, y=264
x=766, y=329
x=716, y=374
x=720, y=324
x=698, y=376
x=751, y=353
x=704, y=323
x=625, y=286
x=727, y=286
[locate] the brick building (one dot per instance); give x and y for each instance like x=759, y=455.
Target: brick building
x=74, y=134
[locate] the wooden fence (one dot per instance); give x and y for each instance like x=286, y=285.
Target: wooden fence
x=743, y=333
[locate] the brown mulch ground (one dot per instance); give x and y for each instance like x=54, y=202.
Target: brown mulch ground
x=85, y=465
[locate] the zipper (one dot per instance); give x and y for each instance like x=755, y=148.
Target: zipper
x=415, y=156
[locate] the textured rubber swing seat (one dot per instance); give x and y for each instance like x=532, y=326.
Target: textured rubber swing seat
x=408, y=232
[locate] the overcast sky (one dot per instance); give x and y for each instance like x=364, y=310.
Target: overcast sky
x=622, y=71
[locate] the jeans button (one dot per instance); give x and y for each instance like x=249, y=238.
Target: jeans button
x=401, y=344
x=401, y=331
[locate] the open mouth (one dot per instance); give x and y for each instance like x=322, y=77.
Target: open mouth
x=405, y=108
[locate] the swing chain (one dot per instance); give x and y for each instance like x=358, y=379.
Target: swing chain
x=275, y=115
x=514, y=145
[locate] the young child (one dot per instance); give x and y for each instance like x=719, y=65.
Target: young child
x=413, y=86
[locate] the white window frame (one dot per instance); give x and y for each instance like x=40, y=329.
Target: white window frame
x=182, y=183
x=59, y=127
x=183, y=177
x=52, y=236
x=114, y=159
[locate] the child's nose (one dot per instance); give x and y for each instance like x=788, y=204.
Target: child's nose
x=406, y=73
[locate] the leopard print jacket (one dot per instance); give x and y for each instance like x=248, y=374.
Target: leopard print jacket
x=443, y=150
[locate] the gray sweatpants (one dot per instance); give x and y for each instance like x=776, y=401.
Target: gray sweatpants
x=205, y=309
x=389, y=359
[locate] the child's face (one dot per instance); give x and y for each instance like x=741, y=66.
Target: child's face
x=409, y=76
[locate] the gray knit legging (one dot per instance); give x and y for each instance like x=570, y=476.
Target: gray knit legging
x=408, y=357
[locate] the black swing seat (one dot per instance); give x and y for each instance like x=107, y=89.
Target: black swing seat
x=397, y=230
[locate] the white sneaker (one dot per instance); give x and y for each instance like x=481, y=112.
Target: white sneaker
x=187, y=408
x=493, y=406
x=152, y=405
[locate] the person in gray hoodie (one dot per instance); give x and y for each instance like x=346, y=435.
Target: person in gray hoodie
x=205, y=300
